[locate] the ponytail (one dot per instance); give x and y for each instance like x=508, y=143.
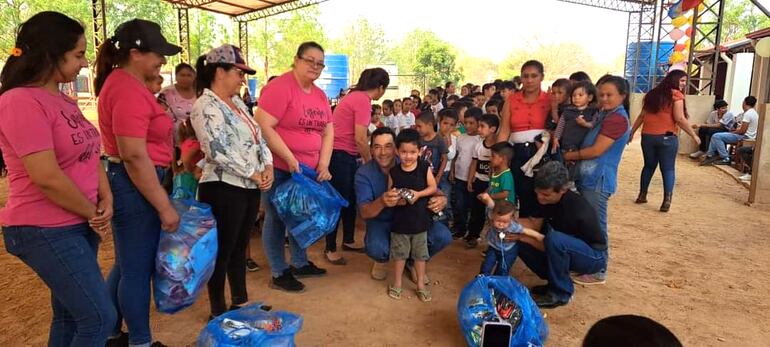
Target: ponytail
x=372, y=79
x=107, y=59
x=205, y=73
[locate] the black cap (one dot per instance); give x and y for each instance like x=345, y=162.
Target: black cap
x=143, y=35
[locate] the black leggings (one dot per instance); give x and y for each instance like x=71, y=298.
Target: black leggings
x=524, y=185
x=235, y=210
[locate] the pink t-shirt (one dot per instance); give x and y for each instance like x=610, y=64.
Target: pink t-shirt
x=354, y=109
x=31, y=121
x=127, y=108
x=302, y=118
x=179, y=108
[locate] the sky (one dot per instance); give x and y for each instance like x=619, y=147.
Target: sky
x=488, y=28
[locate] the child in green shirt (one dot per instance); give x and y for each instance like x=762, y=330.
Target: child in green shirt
x=501, y=185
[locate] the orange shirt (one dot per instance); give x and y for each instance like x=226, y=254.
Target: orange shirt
x=528, y=116
x=663, y=121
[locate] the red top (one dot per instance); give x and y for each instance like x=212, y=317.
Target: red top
x=127, y=108
x=528, y=116
x=663, y=121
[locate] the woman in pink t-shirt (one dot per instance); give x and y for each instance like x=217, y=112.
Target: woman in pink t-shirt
x=296, y=121
x=138, y=143
x=59, y=200
x=351, y=119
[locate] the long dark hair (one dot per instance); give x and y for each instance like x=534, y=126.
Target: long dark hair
x=372, y=79
x=41, y=43
x=659, y=98
x=206, y=72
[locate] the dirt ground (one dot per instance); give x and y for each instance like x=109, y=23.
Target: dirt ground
x=701, y=270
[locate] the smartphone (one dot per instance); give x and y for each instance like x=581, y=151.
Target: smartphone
x=496, y=334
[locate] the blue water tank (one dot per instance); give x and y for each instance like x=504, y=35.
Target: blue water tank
x=650, y=57
x=253, y=84
x=335, y=75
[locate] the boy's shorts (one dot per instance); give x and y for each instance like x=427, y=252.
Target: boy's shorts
x=406, y=246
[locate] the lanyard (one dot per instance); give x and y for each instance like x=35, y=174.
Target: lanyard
x=249, y=124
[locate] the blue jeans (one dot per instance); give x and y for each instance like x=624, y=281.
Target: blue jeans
x=446, y=188
x=274, y=231
x=136, y=232
x=659, y=150
x=563, y=253
x=719, y=144
x=65, y=259
x=462, y=205
x=500, y=261
x=599, y=200
x=343, y=168
x=377, y=239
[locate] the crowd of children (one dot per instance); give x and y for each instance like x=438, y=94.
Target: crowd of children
x=457, y=139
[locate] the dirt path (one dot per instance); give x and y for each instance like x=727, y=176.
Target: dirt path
x=700, y=270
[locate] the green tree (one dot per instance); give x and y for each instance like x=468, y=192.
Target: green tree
x=414, y=55
x=364, y=44
x=436, y=60
x=741, y=17
x=274, y=41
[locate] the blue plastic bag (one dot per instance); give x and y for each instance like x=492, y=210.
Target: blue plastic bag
x=185, y=259
x=309, y=209
x=251, y=326
x=185, y=186
x=500, y=298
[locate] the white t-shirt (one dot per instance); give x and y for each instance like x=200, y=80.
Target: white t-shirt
x=452, y=151
x=406, y=120
x=482, y=154
x=391, y=122
x=752, y=117
x=436, y=108
x=466, y=145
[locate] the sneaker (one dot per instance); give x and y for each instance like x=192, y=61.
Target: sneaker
x=725, y=161
x=119, y=341
x=709, y=160
x=309, y=270
x=471, y=243
x=745, y=178
x=588, y=280
x=287, y=283
x=379, y=271
x=458, y=235
x=251, y=265
x=697, y=154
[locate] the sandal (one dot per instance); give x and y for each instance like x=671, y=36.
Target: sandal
x=338, y=261
x=394, y=293
x=424, y=295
